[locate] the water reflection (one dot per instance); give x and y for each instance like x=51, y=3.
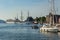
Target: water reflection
x=24, y=32
x=51, y=36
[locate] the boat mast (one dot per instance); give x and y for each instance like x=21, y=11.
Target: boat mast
x=41, y=19
x=28, y=13
x=21, y=16
x=17, y=16
x=53, y=9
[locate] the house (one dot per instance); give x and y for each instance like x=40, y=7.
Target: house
x=53, y=17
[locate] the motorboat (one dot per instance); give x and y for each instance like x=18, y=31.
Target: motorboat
x=46, y=28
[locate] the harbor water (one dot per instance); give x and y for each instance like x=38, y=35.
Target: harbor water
x=25, y=32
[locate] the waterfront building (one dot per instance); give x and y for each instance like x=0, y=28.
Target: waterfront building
x=50, y=18
x=10, y=21
x=13, y=20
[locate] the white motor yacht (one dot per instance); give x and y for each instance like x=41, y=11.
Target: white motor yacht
x=47, y=28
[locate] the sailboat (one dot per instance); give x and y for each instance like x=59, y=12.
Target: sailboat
x=29, y=19
x=51, y=27
x=21, y=16
x=16, y=20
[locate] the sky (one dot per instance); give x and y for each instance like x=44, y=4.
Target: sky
x=37, y=8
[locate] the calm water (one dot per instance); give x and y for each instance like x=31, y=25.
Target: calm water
x=24, y=32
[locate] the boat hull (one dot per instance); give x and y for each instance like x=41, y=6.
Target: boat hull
x=48, y=29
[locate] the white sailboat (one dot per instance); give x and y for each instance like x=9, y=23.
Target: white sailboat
x=50, y=28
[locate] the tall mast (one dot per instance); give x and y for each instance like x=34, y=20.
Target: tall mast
x=28, y=13
x=53, y=9
x=21, y=16
x=16, y=17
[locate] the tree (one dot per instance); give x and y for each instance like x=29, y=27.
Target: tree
x=40, y=19
x=30, y=19
x=37, y=19
x=43, y=19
